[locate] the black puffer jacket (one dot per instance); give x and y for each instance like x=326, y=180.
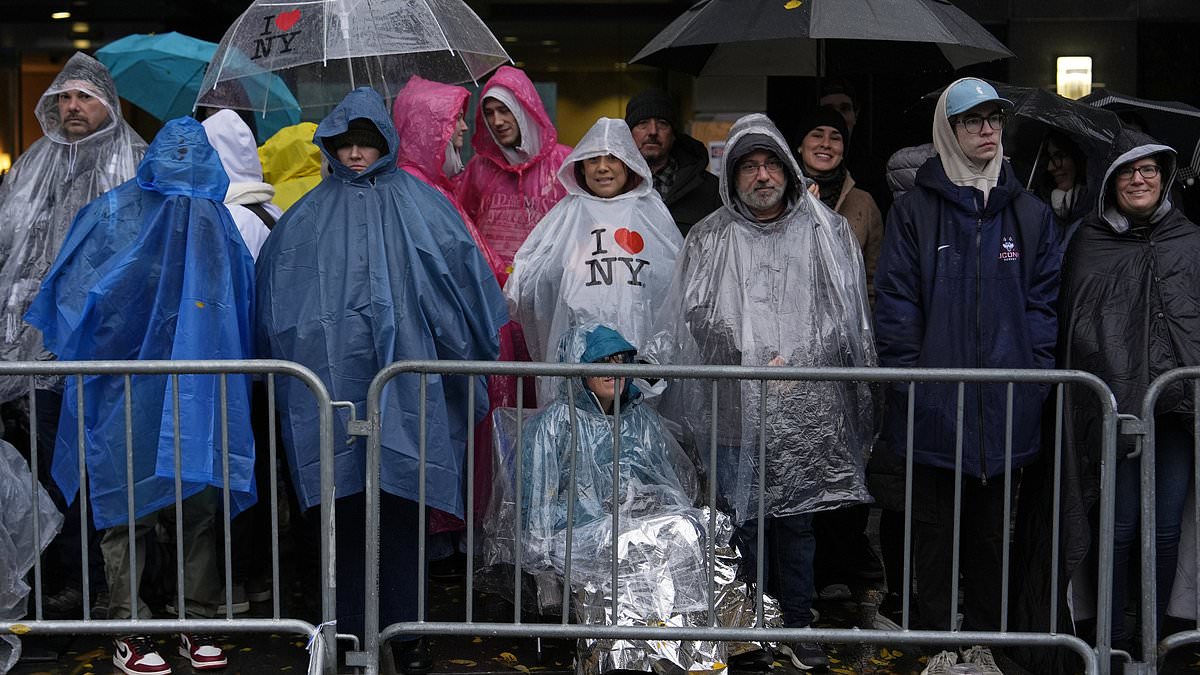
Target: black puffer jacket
x=694, y=194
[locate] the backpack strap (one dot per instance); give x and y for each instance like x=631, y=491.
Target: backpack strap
x=263, y=214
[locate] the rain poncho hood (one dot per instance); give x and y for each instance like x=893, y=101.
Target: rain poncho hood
x=154, y=269
x=40, y=196
x=20, y=545
x=234, y=143
x=506, y=200
x=959, y=168
x=291, y=163
x=426, y=114
x=365, y=270
x=787, y=292
x=595, y=260
x=1142, y=146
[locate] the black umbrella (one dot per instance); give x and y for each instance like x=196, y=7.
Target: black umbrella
x=1172, y=123
x=785, y=37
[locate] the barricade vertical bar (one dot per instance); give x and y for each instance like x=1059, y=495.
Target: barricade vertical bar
x=272, y=450
x=371, y=500
x=130, y=515
x=81, y=456
x=224, y=383
x=908, y=495
x=712, y=521
x=761, y=525
x=958, y=485
x=574, y=445
x=616, y=520
x=517, y=524
x=328, y=531
x=178, y=454
x=1149, y=549
x=470, y=580
x=1057, y=506
x=422, y=454
x=33, y=490
x=1008, y=437
x=1196, y=485
x=1108, y=479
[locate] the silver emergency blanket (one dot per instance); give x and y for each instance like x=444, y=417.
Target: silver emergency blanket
x=18, y=545
x=592, y=259
x=662, y=540
x=790, y=292
x=40, y=196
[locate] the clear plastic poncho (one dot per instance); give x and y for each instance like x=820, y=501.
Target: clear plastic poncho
x=595, y=260
x=788, y=292
x=18, y=545
x=39, y=198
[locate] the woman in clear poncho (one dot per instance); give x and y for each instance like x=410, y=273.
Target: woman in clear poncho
x=662, y=541
x=604, y=254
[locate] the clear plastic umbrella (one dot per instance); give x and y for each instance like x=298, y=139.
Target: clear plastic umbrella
x=325, y=48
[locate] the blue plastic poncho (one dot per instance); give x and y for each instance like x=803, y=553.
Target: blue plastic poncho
x=154, y=269
x=370, y=268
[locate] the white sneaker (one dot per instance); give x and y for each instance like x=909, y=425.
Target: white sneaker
x=981, y=657
x=939, y=664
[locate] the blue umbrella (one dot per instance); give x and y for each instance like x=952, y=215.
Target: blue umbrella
x=161, y=74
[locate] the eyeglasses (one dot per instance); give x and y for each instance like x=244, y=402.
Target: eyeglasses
x=773, y=166
x=974, y=123
x=1147, y=171
x=623, y=357
x=1057, y=158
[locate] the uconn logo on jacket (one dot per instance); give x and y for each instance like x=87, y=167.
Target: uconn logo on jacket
x=1008, y=250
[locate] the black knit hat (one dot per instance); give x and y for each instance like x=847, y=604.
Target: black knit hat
x=361, y=132
x=650, y=103
x=821, y=116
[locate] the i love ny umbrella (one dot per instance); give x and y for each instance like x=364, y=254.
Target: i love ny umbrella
x=325, y=48
x=161, y=74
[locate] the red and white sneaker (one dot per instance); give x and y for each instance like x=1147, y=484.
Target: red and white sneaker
x=137, y=655
x=202, y=651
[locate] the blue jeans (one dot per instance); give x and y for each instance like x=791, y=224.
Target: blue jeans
x=1174, y=445
x=788, y=547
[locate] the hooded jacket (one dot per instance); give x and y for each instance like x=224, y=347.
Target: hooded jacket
x=426, y=114
x=592, y=259
x=506, y=200
x=291, y=163
x=790, y=291
x=961, y=285
x=40, y=196
x=234, y=143
x=367, y=269
x=694, y=193
x=154, y=269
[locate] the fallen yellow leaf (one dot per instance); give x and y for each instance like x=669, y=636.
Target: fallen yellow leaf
x=793, y=4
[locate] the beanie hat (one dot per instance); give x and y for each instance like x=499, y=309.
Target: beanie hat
x=650, y=103
x=361, y=132
x=822, y=116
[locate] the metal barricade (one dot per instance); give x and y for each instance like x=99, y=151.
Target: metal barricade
x=1147, y=445
x=321, y=636
x=1094, y=659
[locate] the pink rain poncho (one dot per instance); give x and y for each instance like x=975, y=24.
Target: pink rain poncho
x=426, y=113
x=506, y=200
x=39, y=198
x=593, y=259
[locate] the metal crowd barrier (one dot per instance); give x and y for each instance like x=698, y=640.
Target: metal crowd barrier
x=321, y=636
x=1094, y=659
x=1144, y=429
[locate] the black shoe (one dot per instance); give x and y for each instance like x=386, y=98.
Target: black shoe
x=805, y=655
x=411, y=656
x=67, y=603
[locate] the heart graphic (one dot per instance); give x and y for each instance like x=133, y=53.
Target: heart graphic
x=286, y=20
x=629, y=240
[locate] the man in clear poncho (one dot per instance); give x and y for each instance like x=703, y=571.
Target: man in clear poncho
x=774, y=278
x=87, y=149
x=604, y=254
x=662, y=544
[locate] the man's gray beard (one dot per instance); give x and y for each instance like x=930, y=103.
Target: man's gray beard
x=765, y=202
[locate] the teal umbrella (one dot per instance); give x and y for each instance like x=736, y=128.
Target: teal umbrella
x=161, y=74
